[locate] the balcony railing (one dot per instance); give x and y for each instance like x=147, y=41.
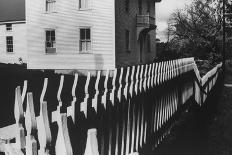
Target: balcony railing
x=145, y=21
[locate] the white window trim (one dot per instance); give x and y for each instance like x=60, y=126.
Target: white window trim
x=47, y=29
x=13, y=45
x=85, y=9
x=49, y=11
x=10, y=29
x=91, y=40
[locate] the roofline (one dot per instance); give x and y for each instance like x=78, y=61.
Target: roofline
x=13, y=22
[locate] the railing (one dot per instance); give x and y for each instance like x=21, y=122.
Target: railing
x=119, y=113
x=145, y=21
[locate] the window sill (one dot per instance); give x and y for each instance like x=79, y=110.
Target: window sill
x=83, y=9
x=9, y=30
x=10, y=53
x=85, y=52
x=50, y=12
x=50, y=53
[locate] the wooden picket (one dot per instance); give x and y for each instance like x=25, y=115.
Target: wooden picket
x=130, y=108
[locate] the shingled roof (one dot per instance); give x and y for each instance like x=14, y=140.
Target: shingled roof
x=12, y=10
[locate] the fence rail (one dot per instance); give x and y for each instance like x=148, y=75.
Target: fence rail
x=115, y=114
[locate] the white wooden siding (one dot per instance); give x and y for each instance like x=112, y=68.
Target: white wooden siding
x=19, y=43
x=66, y=21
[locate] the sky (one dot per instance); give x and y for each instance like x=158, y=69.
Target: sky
x=163, y=11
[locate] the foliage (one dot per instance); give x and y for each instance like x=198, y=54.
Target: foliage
x=195, y=30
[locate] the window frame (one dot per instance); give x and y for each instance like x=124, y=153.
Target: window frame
x=47, y=2
x=51, y=42
x=7, y=45
x=9, y=28
x=84, y=8
x=87, y=51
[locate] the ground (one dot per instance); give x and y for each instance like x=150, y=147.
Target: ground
x=206, y=130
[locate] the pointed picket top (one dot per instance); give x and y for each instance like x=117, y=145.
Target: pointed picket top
x=126, y=83
x=132, y=80
x=95, y=99
x=119, y=95
x=137, y=79
x=113, y=86
x=44, y=131
x=30, y=120
x=24, y=90
x=105, y=88
x=91, y=143
x=152, y=75
x=156, y=73
x=149, y=76
x=71, y=109
x=74, y=86
x=141, y=79
x=63, y=144
x=60, y=90
x=45, y=85
x=18, y=107
x=145, y=78
x=83, y=105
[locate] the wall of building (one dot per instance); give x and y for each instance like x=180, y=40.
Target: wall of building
x=19, y=43
x=66, y=21
x=127, y=20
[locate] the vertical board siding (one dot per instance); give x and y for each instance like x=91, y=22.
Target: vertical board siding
x=19, y=43
x=67, y=20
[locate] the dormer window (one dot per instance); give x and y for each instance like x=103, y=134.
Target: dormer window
x=9, y=27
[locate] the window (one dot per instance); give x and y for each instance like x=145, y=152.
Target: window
x=127, y=40
x=85, y=39
x=9, y=27
x=50, y=43
x=148, y=7
x=9, y=44
x=140, y=6
x=127, y=5
x=50, y=5
x=84, y=4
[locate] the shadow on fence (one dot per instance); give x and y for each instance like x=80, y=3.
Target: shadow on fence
x=123, y=112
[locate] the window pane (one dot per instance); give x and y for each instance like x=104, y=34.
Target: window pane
x=88, y=46
x=9, y=44
x=53, y=35
x=48, y=34
x=82, y=34
x=87, y=33
x=83, y=46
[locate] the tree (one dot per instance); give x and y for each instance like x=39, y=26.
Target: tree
x=196, y=28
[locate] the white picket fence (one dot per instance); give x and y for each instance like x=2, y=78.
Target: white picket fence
x=130, y=120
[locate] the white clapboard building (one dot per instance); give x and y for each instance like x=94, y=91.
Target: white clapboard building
x=82, y=34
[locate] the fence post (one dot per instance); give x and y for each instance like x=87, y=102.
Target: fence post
x=63, y=144
x=31, y=127
x=83, y=105
x=19, y=118
x=71, y=109
x=44, y=132
x=95, y=99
